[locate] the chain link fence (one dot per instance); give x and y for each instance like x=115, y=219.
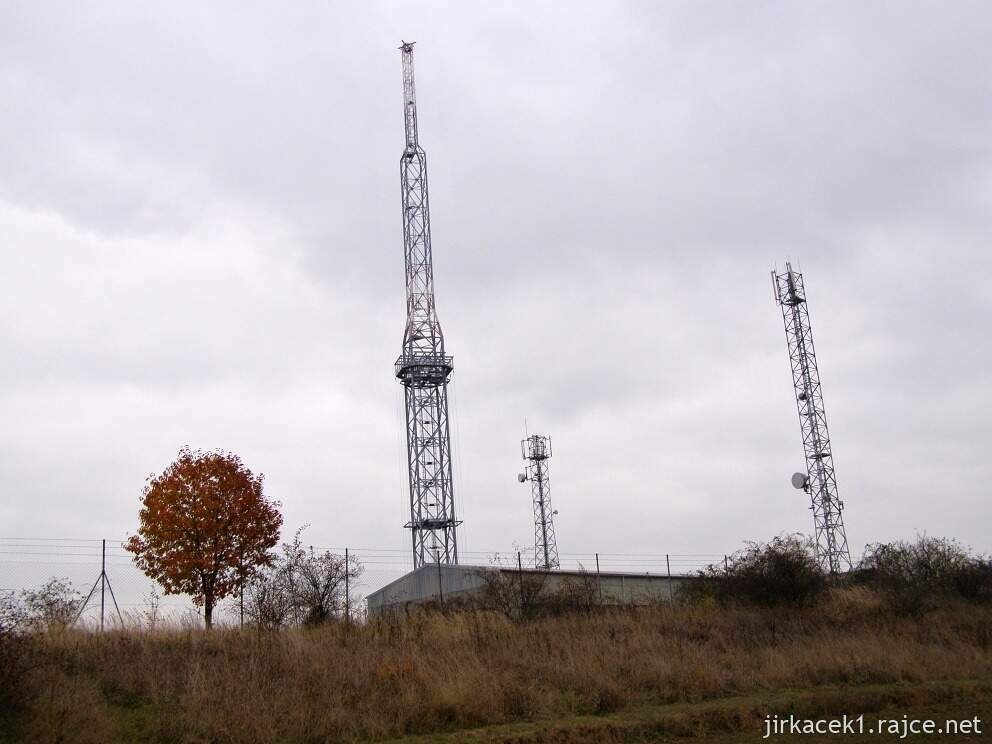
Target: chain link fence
x=130, y=597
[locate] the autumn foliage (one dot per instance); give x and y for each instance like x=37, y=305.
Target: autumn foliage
x=205, y=527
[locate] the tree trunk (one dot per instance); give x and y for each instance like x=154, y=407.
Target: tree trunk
x=208, y=610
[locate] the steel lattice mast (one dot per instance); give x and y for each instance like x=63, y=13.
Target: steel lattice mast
x=820, y=483
x=537, y=451
x=423, y=368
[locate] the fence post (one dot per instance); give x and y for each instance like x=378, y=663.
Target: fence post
x=440, y=589
x=599, y=580
x=520, y=579
x=671, y=595
x=241, y=590
x=103, y=578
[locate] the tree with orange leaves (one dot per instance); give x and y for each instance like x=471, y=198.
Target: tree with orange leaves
x=205, y=527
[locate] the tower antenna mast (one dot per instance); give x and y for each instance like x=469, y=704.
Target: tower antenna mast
x=537, y=451
x=423, y=367
x=819, y=481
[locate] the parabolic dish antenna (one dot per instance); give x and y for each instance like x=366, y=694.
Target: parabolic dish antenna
x=799, y=480
x=521, y=477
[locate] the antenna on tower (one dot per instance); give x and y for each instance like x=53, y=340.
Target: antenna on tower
x=536, y=450
x=423, y=367
x=819, y=480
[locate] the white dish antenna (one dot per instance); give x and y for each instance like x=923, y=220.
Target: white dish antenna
x=799, y=481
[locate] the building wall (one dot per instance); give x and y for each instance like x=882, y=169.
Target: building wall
x=428, y=584
x=434, y=583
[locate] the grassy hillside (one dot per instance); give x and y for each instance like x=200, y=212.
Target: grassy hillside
x=603, y=676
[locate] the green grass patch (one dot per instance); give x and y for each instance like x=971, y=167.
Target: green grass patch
x=741, y=719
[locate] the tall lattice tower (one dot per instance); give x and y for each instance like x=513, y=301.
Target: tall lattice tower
x=423, y=367
x=819, y=481
x=536, y=450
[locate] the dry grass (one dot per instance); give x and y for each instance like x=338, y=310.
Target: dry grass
x=432, y=673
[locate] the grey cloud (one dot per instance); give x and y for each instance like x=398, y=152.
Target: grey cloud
x=202, y=241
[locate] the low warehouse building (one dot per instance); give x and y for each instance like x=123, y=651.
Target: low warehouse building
x=462, y=584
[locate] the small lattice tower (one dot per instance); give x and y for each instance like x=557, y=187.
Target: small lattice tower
x=820, y=481
x=536, y=450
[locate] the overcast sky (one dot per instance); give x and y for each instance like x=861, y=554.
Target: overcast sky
x=200, y=243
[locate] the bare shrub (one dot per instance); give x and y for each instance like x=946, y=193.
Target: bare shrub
x=973, y=580
x=269, y=601
x=516, y=594
x=301, y=587
x=14, y=650
x=574, y=594
x=526, y=594
x=917, y=576
x=151, y=610
x=781, y=572
x=52, y=606
x=13, y=616
x=317, y=581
